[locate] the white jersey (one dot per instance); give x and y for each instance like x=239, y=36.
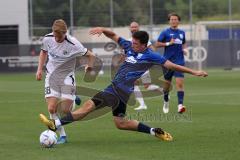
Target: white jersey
x=60, y=79
x=62, y=56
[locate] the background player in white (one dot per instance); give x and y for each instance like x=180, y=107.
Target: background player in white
x=61, y=50
x=145, y=78
x=173, y=40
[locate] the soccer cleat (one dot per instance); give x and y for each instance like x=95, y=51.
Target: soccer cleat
x=165, y=136
x=181, y=108
x=48, y=122
x=62, y=140
x=165, y=107
x=140, y=108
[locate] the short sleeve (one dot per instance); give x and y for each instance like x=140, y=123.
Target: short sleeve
x=157, y=58
x=162, y=37
x=79, y=49
x=126, y=45
x=44, y=46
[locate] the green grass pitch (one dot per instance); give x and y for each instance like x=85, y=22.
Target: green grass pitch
x=209, y=130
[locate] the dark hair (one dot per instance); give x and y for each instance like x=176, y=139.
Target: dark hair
x=142, y=36
x=174, y=14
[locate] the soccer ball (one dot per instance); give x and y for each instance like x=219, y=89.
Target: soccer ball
x=48, y=138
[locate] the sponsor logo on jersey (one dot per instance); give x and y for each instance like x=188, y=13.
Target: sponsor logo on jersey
x=181, y=36
x=131, y=59
x=65, y=52
x=178, y=41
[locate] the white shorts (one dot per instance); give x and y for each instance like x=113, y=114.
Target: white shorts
x=146, y=78
x=58, y=89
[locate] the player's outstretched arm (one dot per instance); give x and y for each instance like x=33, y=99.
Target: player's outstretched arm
x=176, y=67
x=108, y=33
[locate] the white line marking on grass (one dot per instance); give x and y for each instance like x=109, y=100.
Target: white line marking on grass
x=214, y=93
x=214, y=102
x=19, y=101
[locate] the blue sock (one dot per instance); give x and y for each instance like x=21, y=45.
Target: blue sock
x=143, y=128
x=180, y=95
x=165, y=97
x=77, y=100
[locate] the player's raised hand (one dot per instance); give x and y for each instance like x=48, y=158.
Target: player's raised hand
x=39, y=75
x=96, y=30
x=200, y=73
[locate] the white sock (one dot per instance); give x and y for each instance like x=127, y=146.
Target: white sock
x=60, y=128
x=152, y=132
x=53, y=116
x=138, y=95
x=180, y=106
x=152, y=87
x=57, y=123
x=61, y=131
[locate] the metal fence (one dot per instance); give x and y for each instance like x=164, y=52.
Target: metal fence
x=114, y=13
x=220, y=46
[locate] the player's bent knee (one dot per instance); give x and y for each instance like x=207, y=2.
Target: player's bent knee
x=137, y=82
x=52, y=109
x=120, y=123
x=179, y=86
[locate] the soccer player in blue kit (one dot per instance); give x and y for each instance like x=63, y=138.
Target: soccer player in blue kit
x=139, y=58
x=173, y=41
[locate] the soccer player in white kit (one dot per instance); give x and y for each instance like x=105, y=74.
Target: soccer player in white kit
x=145, y=78
x=61, y=50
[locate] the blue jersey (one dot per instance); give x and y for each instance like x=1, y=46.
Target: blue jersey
x=132, y=68
x=174, y=52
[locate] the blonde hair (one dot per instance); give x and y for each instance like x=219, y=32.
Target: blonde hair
x=59, y=26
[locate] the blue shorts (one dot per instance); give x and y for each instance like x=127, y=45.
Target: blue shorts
x=168, y=74
x=106, y=98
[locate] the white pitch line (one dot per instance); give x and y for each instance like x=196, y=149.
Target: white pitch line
x=214, y=93
x=19, y=101
x=214, y=103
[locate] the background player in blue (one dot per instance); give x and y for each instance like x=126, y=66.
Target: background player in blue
x=173, y=40
x=139, y=58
